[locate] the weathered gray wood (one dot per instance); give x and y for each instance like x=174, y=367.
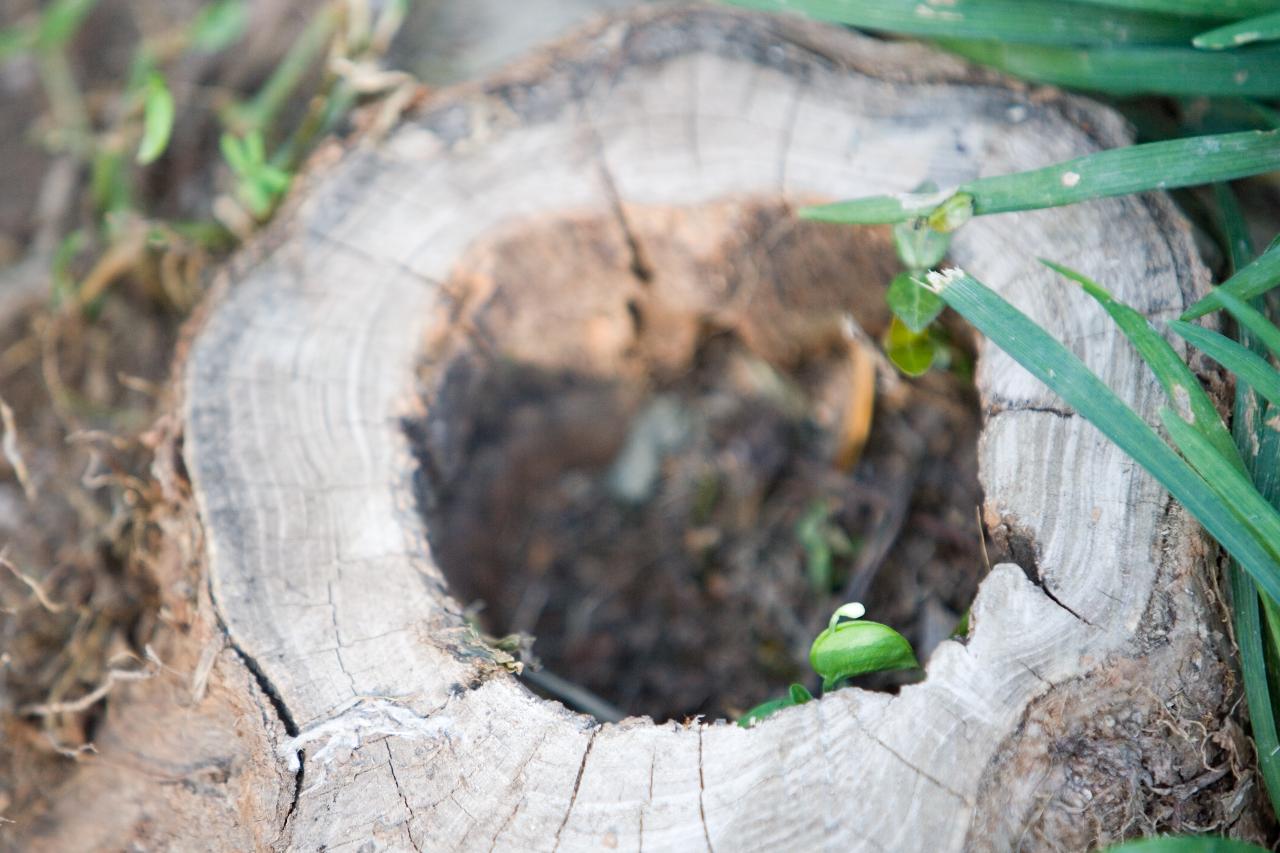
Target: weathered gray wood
x=317, y=563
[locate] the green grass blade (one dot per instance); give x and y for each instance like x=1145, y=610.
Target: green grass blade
x=1180, y=384
x=1235, y=231
x=1253, y=667
x=1251, y=72
x=1252, y=319
x=1193, y=8
x=1254, y=280
x=1248, y=367
x=1249, y=31
x=1060, y=369
x=61, y=20
x=1119, y=171
x=1231, y=486
x=157, y=119
x=1259, y=449
x=1028, y=21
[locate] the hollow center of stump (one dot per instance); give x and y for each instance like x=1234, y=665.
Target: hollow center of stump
x=629, y=455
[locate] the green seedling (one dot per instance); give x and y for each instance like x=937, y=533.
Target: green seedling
x=915, y=305
x=798, y=694
x=259, y=184
x=847, y=647
x=914, y=352
x=850, y=647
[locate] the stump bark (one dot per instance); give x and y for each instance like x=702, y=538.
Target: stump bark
x=358, y=710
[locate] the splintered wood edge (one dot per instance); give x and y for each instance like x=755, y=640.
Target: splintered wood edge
x=317, y=561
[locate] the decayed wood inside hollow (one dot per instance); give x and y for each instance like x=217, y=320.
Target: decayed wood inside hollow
x=631, y=455
x=387, y=721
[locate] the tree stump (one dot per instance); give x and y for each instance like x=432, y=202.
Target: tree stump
x=370, y=717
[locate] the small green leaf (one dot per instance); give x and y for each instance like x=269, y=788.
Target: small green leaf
x=913, y=303
x=157, y=119
x=61, y=20
x=255, y=147
x=234, y=153
x=911, y=352
x=260, y=183
x=919, y=246
x=847, y=649
x=219, y=25
x=798, y=694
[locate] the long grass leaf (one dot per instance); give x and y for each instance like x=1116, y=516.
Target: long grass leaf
x=1231, y=486
x=1060, y=369
x=1252, y=319
x=1252, y=72
x=1119, y=171
x=1261, y=458
x=1193, y=8
x=1235, y=231
x=1240, y=33
x=1254, y=280
x=1249, y=367
x=1180, y=383
x=1030, y=21
x=1253, y=667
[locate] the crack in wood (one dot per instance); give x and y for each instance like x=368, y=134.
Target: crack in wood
x=996, y=409
x=514, y=788
x=391, y=765
x=928, y=777
x=702, y=790
x=577, y=783
x=282, y=714
x=514, y=811
x=274, y=699
x=1039, y=582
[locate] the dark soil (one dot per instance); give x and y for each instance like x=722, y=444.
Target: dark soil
x=655, y=528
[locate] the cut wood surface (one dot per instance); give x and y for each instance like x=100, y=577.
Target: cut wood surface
x=1092, y=674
